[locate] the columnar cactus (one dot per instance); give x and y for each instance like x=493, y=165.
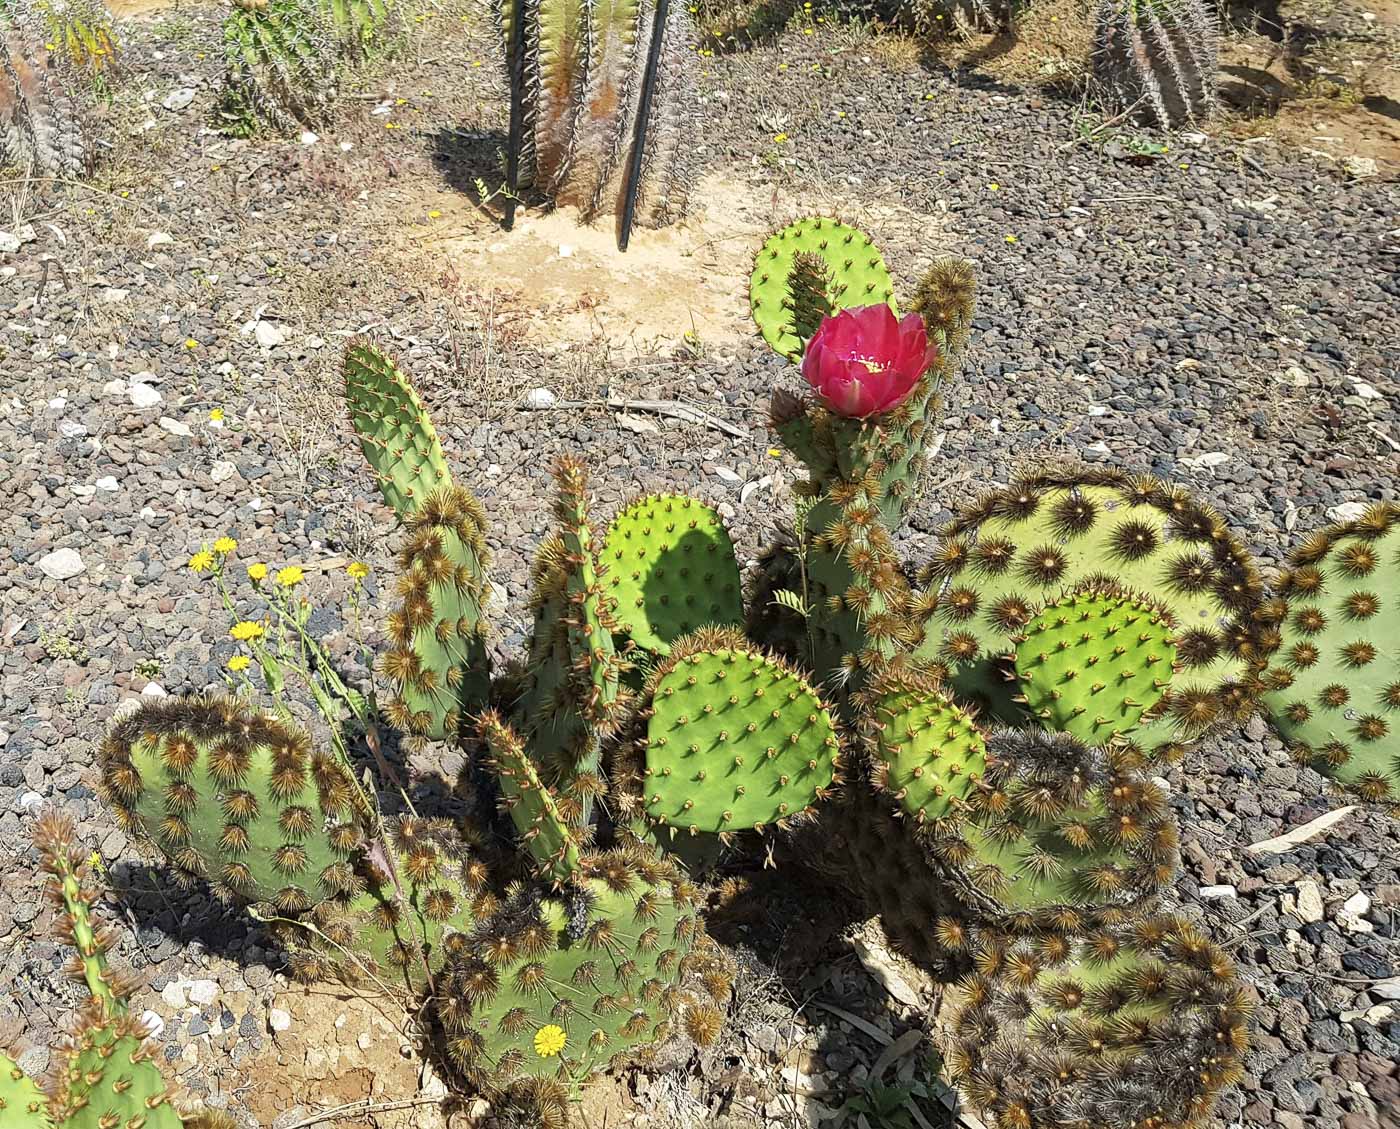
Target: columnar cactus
x=600, y=100
x=41, y=118
x=281, y=66
x=1334, y=682
x=1160, y=55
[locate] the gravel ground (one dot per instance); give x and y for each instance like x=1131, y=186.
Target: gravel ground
x=1226, y=315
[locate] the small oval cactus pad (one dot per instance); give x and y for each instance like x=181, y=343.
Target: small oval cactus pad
x=1334, y=683
x=671, y=568
x=734, y=739
x=1091, y=664
x=858, y=276
x=924, y=752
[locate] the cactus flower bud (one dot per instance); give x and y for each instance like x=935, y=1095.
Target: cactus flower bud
x=862, y=361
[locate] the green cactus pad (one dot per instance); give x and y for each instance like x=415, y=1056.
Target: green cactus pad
x=924, y=752
x=440, y=663
x=396, y=435
x=1142, y=1024
x=107, y=1078
x=533, y=807
x=560, y=986
x=1334, y=681
x=671, y=568
x=236, y=798
x=1093, y=663
x=946, y=298
x=858, y=276
x=734, y=739
x=22, y=1104
x=1016, y=550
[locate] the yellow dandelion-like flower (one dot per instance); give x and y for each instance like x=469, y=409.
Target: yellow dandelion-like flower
x=202, y=561
x=549, y=1040
x=191, y=343
x=434, y=214
x=216, y=415
x=225, y=545
x=257, y=572
x=774, y=452
x=238, y=662
x=246, y=629
x=290, y=576
x=779, y=138
x=1011, y=239
x=358, y=570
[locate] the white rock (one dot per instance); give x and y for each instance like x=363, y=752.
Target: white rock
x=1295, y=376
x=540, y=398
x=1308, y=901
x=1347, y=511
x=269, y=334
x=278, y=1020
x=61, y=564
x=222, y=471
x=115, y=388
x=153, y=1023
x=143, y=395
x=1365, y=391
x=1384, y=990
x=58, y=403
x=31, y=802
x=178, y=100
x=751, y=488
x=153, y=690
x=82, y=491
x=113, y=294
x=1354, y=924
x=174, y=995
x=107, y=482
x=308, y=138
x=1360, y=167
x=203, y=992
x=726, y=475
x=12, y=241
x=1214, y=893
x=566, y=250
x=174, y=426
x=1208, y=460
x=1358, y=904
x=71, y=428
x=157, y=239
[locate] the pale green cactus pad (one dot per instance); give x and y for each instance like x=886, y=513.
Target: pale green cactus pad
x=671, y=568
x=22, y=1104
x=108, y=1079
x=547, y=835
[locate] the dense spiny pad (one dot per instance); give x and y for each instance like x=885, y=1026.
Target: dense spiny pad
x=671, y=570
x=106, y=1079
x=281, y=63
x=858, y=276
x=396, y=435
x=1056, y=827
x=1091, y=664
x=1019, y=548
x=534, y=809
x=946, y=298
x=236, y=798
x=924, y=752
x=1158, y=55
x=440, y=664
x=22, y=1104
x=1141, y=1025
x=1334, y=682
x=605, y=963
x=809, y=288
x=734, y=739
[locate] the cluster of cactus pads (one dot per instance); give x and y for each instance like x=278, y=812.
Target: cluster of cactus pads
x=976, y=742
x=52, y=52
x=1158, y=57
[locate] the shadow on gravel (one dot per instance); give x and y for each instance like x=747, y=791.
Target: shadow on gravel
x=164, y=904
x=470, y=160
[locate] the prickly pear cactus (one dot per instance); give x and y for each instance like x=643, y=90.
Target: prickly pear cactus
x=22, y=1104
x=671, y=569
x=281, y=67
x=440, y=664
x=946, y=298
x=1007, y=556
x=557, y=987
x=1140, y=1024
x=857, y=276
x=735, y=740
x=1094, y=663
x=1334, y=681
x=1160, y=55
x=552, y=841
x=396, y=435
x=108, y=1077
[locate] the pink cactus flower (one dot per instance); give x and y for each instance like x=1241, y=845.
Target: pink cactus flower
x=863, y=361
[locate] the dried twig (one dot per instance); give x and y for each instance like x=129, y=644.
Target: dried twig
x=360, y=1107
x=1310, y=830
x=673, y=408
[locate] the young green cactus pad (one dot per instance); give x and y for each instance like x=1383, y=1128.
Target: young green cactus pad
x=1020, y=548
x=671, y=570
x=41, y=122
x=1333, y=686
x=856, y=277
x=235, y=798
x=1093, y=663
x=734, y=739
x=107, y=1078
x=1121, y=1028
x=395, y=433
x=440, y=663
x=600, y=101
x=1158, y=54
x=924, y=753
x=281, y=66
x=534, y=809
x=22, y=1104
x=555, y=987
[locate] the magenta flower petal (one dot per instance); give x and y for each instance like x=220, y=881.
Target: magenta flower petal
x=863, y=361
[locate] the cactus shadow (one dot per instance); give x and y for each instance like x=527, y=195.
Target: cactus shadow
x=472, y=162
x=165, y=905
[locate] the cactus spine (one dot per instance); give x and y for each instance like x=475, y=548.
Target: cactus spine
x=1159, y=54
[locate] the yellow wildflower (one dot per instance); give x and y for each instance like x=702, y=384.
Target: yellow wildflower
x=257, y=571
x=202, y=561
x=1011, y=239
x=246, y=629
x=779, y=138
x=290, y=576
x=774, y=452
x=216, y=415
x=549, y=1040
x=434, y=214
x=191, y=343
x=238, y=662
x=225, y=545
x=358, y=570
